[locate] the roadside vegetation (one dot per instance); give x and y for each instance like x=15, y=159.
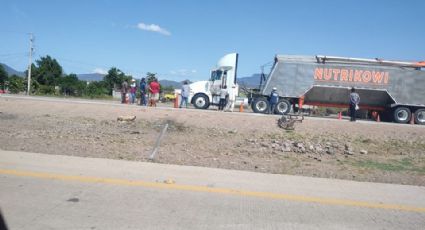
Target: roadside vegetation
x=49, y=79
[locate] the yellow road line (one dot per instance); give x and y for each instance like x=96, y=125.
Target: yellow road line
x=277, y=196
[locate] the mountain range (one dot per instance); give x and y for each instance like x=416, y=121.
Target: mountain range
x=10, y=71
x=252, y=81
x=90, y=76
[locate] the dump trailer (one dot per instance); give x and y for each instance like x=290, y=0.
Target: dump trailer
x=394, y=90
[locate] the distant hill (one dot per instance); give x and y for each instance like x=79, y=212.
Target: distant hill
x=168, y=83
x=10, y=71
x=250, y=82
x=90, y=77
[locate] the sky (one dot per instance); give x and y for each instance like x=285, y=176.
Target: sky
x=184, y=39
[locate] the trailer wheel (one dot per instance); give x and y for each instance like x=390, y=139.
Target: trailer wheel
x=201, y=101
x=420, y=116
x=402, y=115
x=260, y=105
x=283, y=107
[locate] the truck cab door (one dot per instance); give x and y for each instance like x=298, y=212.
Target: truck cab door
x=215, y=81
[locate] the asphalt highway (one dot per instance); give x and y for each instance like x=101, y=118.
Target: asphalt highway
x=39, y=191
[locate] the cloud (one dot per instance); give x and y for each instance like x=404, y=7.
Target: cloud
x=100, y=70
x=153, y=28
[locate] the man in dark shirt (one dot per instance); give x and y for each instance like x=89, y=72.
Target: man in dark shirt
x=274, y=98
x=143, y=92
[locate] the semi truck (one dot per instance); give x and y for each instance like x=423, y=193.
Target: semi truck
x=206, y=93
x=393, y=89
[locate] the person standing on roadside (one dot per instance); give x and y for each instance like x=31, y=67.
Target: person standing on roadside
x=124, y=91
x=154, y=88
x=143, y=92
x=274, y=98
x=232, y=97
x=185, y=95
x=223, y=95
x=133, y=90
x=354, y=104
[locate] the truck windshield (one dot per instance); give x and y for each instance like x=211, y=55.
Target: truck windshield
x=216, y=75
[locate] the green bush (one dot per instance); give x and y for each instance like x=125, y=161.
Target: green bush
x=16, y=84
x=96, y=89
x=46, y=89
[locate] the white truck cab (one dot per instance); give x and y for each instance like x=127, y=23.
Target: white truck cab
x=206, y=93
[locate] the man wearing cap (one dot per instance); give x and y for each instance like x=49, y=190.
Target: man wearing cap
x=274, y=98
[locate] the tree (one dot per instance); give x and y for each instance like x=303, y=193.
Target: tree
x=16, y=84
x=48, y=71
x=70, y=85
x=150, y=77
x=96, y=89
x=114, y=79
x=3, y=77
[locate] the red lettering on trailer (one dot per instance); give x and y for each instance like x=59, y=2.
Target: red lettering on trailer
x=328, y=74
x=366, y=76
x=318, y=74
x=358, y=75
x=351, y=75
x=344, y=75
x=378, y=77
x=386, y=79
x=336, y=73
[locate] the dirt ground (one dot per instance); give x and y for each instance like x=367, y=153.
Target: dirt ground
x=362, y=151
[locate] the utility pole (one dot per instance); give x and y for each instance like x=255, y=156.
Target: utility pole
x=29, y=65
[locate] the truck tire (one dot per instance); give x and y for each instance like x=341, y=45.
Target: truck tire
x=283, y=107
x=402, y=115
x=420, y=116
x=201, y=101
x=260, y=105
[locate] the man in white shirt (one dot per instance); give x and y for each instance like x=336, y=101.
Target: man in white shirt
x=185, y=95
x=232, y=97
x=223, y=94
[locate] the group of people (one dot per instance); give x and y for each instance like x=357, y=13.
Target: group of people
x=227, y=97
x=147, y=91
